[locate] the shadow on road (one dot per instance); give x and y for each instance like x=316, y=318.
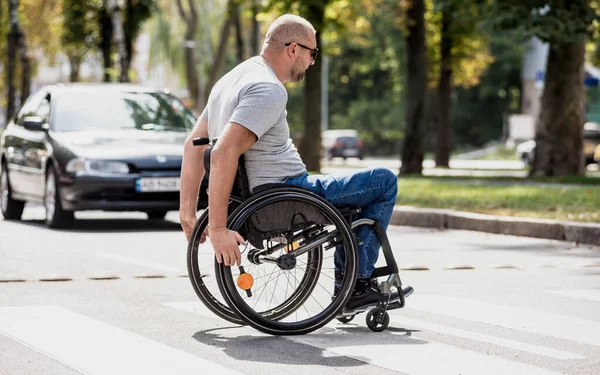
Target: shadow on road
x=305, y=350
x=110, y=225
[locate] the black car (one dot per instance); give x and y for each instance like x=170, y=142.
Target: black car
x=342, y=143
x=111, y=147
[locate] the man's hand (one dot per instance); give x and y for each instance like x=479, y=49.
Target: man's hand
x=225, y=242
x=188, y=220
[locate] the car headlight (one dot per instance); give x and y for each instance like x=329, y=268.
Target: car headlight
x=90, y=166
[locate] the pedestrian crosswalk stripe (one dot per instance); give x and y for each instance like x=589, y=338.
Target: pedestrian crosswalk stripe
x=418, y=356
x=518, y=318
x=93, y=347
x=587, y=294
x=409, y=355
x=494, y=340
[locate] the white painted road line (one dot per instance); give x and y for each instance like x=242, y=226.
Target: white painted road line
x=93, y=347
x=518, y=318
x=401, y=321
x=587, y=294
x=140, y=262
x=413, y=356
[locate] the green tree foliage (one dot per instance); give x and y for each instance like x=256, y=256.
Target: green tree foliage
x=480, y=111
x=137, y=12
x=365, y=50
x=553, y=21
x=79, y=32
x=566, y=25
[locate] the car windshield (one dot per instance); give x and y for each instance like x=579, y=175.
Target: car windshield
x=348, y=140
x=110, y=110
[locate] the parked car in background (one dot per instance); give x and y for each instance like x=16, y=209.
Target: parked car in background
x=525, y=151
x=111, y=147
x=591, y=140
x=342, y=143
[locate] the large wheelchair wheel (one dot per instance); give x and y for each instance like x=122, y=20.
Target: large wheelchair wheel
x=286, y=283
x=206, y=282
x=203, y=274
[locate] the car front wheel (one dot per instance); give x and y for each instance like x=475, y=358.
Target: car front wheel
x=11, y=209
x=56, y=217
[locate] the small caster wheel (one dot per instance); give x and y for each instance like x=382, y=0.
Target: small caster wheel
x=346, y=319
x=377, y=319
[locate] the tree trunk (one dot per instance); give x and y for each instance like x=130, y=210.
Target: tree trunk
x=75, y=64
x=191, y=69
x=128, y=33
x=117, y=21
x=559, y=129
x=310, y=147
x=416, y=70
x=238, y=34
x=25, y=66
x=106, y=32
x=444, y=126
x=219, y=61
x=255, y=46
x=12, y=50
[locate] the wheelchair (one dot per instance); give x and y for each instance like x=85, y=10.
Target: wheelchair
x=285, y=284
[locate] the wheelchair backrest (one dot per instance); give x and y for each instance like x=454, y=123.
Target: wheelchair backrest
x=241, y=189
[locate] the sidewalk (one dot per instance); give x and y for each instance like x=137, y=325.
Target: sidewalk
x=584, y=233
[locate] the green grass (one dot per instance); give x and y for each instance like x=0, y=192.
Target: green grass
x=567, y=180
x=507, y=196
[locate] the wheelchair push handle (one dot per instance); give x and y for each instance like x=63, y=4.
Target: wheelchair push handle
x=200, y=141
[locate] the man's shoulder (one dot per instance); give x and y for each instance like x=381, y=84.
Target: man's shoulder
x=254, y=72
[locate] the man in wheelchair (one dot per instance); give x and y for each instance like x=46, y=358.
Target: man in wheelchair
x=246, y=112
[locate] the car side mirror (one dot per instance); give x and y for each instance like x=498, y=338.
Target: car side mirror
x=34, y=123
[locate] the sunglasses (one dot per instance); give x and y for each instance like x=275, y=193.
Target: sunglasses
x=313, y=51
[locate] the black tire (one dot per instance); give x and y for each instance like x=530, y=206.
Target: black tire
x=156, y=214
x=197, y=274
x=377, y=319
x=11, y=209
x=56, y=217
x=269, y=322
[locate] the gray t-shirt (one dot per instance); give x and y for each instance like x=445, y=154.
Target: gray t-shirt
x=252, y=96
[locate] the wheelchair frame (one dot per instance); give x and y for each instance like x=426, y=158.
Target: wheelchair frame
x=377, y=318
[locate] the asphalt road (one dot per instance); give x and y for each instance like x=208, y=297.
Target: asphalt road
x=484, y=304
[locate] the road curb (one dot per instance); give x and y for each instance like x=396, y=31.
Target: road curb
x=585, y=233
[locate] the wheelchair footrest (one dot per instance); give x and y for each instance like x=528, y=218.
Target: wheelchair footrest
x=407, y=290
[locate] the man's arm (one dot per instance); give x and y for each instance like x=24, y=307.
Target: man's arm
x=192, y=172
x=235, y=140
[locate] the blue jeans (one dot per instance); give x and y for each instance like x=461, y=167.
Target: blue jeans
x=374, y=190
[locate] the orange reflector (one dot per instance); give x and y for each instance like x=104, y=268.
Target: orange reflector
x=245, y=281
x=293, y=246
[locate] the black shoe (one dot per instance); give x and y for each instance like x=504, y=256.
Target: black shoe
x=367, y=294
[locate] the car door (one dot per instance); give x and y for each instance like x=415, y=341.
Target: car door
x=16, y=145
x=36, y=152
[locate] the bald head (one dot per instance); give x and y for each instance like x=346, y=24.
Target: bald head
x=285, y=29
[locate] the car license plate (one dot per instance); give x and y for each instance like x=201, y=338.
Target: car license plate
x=350, y=152
x=148, y=184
